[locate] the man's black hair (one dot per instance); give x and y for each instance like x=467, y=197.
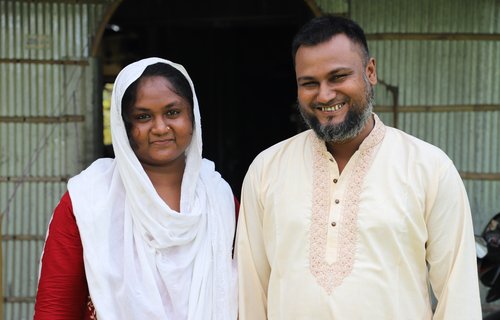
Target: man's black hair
x=323, y=28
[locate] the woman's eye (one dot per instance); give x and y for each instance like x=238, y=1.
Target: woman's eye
x=173, y=112
x=142, y=116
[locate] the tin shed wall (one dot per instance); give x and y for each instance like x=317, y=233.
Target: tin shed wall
x=443, y=58
x=47, y=127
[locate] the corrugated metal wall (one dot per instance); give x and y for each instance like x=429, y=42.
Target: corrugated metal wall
x=444, y=59
x=48, y=103
x=448, y=94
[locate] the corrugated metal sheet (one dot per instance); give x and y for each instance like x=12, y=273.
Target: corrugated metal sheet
x=334, y=6
x=452, y=73
x=427, y=15
x=47, y=127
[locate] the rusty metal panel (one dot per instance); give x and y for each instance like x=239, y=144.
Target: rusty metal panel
x=47, y=127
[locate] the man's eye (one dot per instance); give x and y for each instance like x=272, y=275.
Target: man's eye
x=338, y=77
x=308, y=84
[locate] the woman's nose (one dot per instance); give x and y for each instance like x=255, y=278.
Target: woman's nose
x=160, y=126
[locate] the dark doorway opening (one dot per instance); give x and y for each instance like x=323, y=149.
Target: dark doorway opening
x=238, y=56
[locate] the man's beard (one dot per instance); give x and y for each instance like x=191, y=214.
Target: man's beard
x=355, y=121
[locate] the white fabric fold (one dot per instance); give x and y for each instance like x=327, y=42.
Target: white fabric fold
x=142, y=259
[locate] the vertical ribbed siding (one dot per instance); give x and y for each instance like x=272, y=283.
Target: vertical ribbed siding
x=333, y=6
x=437, y=73
x=45, y=71
x=434, y=73
x=427, y=16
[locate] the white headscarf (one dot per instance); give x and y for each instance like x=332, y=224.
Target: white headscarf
x=142, y=259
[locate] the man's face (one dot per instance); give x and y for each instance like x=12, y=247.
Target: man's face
x=335, y=88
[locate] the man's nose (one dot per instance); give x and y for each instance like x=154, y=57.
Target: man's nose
x=326, y=93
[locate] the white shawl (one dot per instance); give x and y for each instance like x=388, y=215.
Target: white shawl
x=142, y=259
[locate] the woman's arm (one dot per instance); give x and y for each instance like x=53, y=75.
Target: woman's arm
x=62, y=287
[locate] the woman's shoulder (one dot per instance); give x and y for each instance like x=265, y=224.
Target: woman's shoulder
x=64, y=209
x=213, y=179
x=96, y=169
x=96, y=178
x=65, y=201
x=97, y=187
x=63, y=224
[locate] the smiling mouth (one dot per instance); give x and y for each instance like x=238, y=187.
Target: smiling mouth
x=162, y=141
x=332, y=108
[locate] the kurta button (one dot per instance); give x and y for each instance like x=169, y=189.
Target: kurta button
x=335, y=180
x=331, y=159
x=334, y=223
x=337, y=201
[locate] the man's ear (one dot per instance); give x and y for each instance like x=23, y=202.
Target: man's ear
x=371, y=71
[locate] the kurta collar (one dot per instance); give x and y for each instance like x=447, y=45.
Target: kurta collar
x=373, y=139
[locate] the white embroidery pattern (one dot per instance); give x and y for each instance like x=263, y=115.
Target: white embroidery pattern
x=329, y=275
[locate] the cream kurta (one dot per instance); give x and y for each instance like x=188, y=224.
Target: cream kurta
x=313, y=244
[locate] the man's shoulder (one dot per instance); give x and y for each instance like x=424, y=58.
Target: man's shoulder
x=414, y=145
x=284, y=147
x=283, y=158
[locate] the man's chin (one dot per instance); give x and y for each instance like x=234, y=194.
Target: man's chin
x=332, y=122
x=330, y=118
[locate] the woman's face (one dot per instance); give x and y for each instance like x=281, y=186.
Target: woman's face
x=161, y=124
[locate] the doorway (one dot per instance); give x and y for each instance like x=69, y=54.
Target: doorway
x=238, y=56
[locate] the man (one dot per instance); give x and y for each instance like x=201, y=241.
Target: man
x=352, y=219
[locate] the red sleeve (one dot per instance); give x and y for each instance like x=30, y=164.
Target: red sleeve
x=236, y=207
x=62, y=288
x=237, y=211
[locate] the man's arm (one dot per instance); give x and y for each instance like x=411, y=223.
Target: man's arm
x=451, y=249
x=253, y=265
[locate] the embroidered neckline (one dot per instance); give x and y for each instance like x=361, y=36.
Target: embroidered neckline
x=332, y=275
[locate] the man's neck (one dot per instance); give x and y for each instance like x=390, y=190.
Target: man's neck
x=342, y=152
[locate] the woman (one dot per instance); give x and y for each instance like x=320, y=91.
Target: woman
x=156, y=223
